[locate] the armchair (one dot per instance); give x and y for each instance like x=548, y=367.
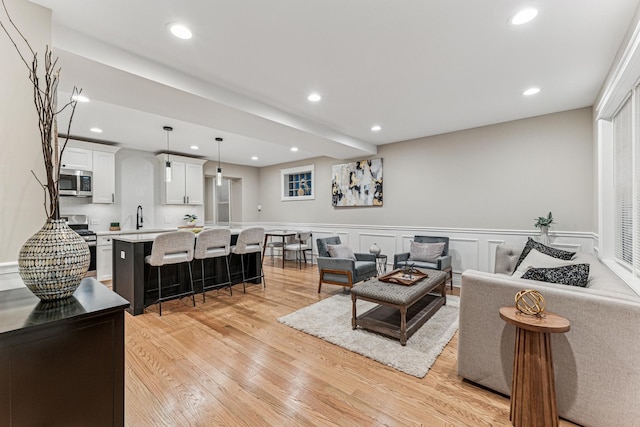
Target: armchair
x=343, y=271
x=443, y=262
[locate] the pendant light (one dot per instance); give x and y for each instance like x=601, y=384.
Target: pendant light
x=167, y=165
x=219, y=171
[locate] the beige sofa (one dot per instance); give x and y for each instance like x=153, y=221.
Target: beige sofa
x=597, y=363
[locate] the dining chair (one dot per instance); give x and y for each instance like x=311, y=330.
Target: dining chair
x=301, y=244
x=274, y=244
x=250, y=240
x=211, y=244
x=176, y=247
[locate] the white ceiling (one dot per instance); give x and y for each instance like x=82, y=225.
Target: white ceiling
x=416, y=67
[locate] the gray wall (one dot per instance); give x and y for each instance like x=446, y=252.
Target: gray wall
x=22, y=210
x=494, y=177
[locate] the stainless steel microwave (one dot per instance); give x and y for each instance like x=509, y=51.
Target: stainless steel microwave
x=76, y=183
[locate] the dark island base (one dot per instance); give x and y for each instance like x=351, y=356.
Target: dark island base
x=131, y=274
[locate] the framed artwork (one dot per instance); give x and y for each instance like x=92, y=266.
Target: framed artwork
x=357, y=183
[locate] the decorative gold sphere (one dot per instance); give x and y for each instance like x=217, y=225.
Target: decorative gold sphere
x=530, y=302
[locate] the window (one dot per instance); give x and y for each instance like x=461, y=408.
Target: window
x=617, y=113
x=626, y=184
x=623, y=185
x=297, y=183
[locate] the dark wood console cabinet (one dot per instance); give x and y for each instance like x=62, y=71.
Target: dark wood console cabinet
x=62, y=363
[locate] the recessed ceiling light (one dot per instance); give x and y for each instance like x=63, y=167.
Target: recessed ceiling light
x=376, y=128
x=531, y=91
x=180, y=31
x=314, y=97
x=254, y=157
x=96, y=130
x=80, y=98
x=194, y=147
x=294, y=148
x=524, y=16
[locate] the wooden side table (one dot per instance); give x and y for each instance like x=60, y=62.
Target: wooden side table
x=533, y=391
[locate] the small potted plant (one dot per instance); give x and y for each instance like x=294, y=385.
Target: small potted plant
x=190, y=219
x=543, y=224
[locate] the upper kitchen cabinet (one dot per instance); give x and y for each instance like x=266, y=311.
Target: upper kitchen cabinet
x=104, y=177
x=101, y=159
x=77, y=158
x=187, y=180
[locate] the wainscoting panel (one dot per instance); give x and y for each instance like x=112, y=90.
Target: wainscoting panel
x=385, y=241
x=571, y=247
x=465, y=254
x=470, y=248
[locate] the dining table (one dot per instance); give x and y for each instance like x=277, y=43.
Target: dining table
x=282, y=234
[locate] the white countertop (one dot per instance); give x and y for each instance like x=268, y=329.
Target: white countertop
x=144, y=237
x=133, y=231
x=149, y=234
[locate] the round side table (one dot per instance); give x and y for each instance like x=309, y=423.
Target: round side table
x=533, y=391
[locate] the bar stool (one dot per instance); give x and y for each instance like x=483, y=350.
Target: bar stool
x=172, y=248
x=214, y=243
x=300, y=245
x=250, y=241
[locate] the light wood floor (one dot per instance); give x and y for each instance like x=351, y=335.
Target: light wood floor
x=229, y=362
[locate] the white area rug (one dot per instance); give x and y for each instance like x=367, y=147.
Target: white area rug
x=330, y=319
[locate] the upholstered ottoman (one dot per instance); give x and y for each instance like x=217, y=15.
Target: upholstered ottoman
x=401, y=309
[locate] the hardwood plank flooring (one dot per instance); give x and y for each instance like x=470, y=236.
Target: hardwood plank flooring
x=228, y=362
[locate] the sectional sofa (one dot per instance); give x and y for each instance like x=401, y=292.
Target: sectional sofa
x=597, y=363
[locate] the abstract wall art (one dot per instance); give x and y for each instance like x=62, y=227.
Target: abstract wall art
x=357, y=183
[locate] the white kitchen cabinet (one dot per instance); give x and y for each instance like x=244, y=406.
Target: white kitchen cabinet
x=77, y=158
x=187, y=180
x=104, y=177
x=104, y=260
x=175, y=189
x=194, y=184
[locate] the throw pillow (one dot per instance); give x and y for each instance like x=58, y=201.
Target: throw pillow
x=341, y=251
x=427, y=252
x=547, y=250
x=536, y=259
x=574, y=275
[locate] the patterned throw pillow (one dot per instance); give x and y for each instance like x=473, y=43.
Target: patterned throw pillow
x=537, y=259
x=556, y=253
x=427, y=252
x=341, y=251
x=574, y=275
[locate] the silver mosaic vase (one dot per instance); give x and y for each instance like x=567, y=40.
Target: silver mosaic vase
x=53, y=261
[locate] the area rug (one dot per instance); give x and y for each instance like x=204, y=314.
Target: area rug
x=330, y=319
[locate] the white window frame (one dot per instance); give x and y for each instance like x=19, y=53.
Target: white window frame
x=284, y=183
x=623, y=80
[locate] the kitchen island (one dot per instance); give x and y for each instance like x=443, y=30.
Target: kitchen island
x=138, y=283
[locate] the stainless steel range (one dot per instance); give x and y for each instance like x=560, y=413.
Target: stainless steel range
x=80, y=224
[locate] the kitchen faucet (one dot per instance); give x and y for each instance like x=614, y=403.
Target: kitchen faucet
x=139, y=218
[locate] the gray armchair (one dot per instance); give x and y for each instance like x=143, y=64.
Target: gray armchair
x=343, y=271
x=442, y=263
